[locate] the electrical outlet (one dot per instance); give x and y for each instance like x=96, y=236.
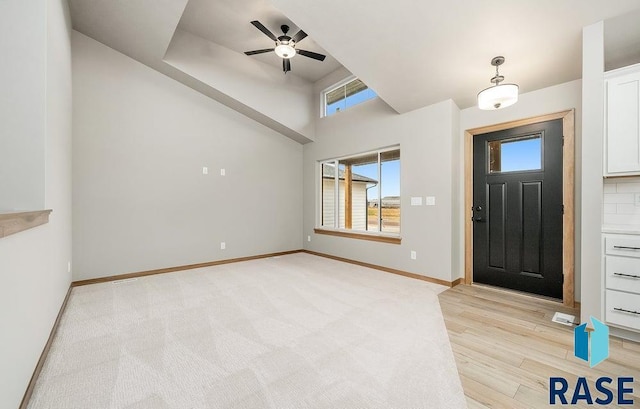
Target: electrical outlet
x=413, y=255
x=308, y=238
x=431, y=200
x=223, y=245
x=223, y=172
x=205, y=170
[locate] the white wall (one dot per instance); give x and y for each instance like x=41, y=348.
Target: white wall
x=426, y=142
x=544, y=101
x=141, y=201
x=22, y=104
x=287, y=99
x=33, y=263
x=591, y=153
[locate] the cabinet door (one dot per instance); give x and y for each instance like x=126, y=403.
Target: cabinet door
x=622, y=128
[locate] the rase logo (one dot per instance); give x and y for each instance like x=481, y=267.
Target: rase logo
x=598, y=339
x=591, y=346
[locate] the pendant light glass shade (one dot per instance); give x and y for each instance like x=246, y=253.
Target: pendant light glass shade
x=285, y=51
x=498, y=96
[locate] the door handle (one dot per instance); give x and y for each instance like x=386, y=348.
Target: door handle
x=476, y=218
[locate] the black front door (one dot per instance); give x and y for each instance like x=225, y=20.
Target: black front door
x=517, y=208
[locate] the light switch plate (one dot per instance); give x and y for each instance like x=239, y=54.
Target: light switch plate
x=205, y=170
x=223, y=172
x=416, y=201
x=431, y=200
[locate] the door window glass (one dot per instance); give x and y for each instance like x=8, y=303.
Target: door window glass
x=515, y=155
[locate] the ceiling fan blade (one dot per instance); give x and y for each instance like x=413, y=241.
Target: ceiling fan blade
x=300, y=35
x=265, y=30
x=286, y=65
x=311, y=54
x=264, y=50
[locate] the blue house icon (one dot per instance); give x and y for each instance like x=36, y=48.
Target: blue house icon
x=597, y=340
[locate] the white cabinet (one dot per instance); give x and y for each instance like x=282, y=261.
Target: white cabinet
x=622, y=122
x=622, y=281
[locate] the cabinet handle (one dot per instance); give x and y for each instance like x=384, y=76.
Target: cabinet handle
x=626, y=248
x=626, y=275
x=627, y=311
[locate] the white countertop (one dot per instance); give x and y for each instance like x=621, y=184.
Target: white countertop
x=620, y=229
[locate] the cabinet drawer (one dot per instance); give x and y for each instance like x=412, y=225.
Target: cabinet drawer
x=623, y=273
x=623, y=309
x=622, y=246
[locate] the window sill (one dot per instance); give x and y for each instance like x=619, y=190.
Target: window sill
x=360, y=236
x=11, y=223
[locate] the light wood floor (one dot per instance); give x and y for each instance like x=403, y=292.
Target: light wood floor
x=506, y=348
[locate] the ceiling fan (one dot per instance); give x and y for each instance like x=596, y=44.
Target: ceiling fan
x=285, y=46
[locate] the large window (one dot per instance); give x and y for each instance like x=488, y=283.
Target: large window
x=344, y=95
x=361, y=192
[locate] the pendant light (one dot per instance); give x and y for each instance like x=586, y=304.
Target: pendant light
x=499, y=95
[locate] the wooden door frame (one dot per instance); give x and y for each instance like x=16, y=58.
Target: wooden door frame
x=568, y=175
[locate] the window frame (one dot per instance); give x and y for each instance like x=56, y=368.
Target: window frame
x=380, y=236
x=339, y=84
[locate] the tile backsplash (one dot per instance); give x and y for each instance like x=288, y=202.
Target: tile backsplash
x=619, y=200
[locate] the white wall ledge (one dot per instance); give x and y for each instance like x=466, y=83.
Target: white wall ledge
x=11, y=223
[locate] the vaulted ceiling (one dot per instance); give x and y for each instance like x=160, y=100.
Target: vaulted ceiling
x=227, y=23
x=415, y=53
x=412, y=53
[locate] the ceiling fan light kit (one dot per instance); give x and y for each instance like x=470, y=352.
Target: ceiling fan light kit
x=285, y=46
x=285, y=50
x=500, y=95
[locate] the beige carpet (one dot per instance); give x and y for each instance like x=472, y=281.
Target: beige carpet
x=296, y=331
